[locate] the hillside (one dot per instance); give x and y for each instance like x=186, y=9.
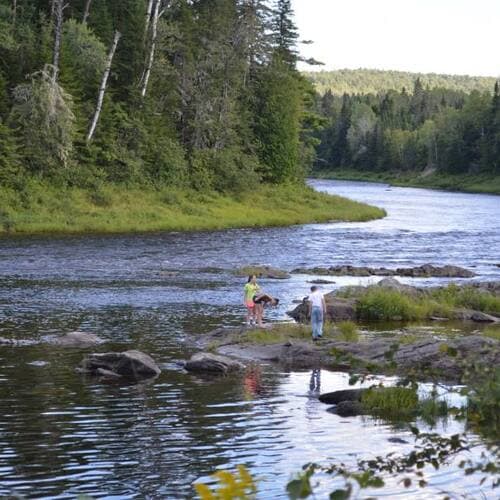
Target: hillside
x=373, y=81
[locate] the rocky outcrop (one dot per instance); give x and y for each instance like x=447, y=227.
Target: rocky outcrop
x=348, y=409
x=425, y=271
x=262, y=272
x=337, y=309
x=477, y=316
x=206, y=362
x=75, y=339
x=129, y=364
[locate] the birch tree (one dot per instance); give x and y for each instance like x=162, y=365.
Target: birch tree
x=58, y=9
x=104, y=83
x=154, y=34
x=86, y=12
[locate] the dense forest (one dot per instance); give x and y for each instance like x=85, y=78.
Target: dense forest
x=196, y=93
x=374, y=81
x=432, y=129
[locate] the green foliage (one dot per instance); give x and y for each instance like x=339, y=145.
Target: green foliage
x=469, y=297
x=231, y=486
x=390, y=401
x=348, y=331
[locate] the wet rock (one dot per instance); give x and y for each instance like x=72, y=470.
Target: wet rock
x=262, y=272
x=477, y=316
x=425, y=271
x=212, y=363
x=348, y=409
x=107, y=373
x=337, y=309
x=321, y=282
x=336, y=397
x=129, y=364
x=76, y=339
x=397, y=440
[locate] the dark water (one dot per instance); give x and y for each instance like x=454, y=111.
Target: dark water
x=62, y=435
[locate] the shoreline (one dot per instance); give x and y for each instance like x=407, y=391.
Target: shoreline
x=45, y=210
x=452, y=183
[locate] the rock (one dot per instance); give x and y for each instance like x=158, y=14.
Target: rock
x=76, y=339
x=321, y=282
x=262, y=272
x=336, y=397
x=425, y=271
x=107, y=373
x=212, y=363
x=348, y=409
x=337, y=309
x=129, y=364
x=397, y=440
x=394, y=284
x=477, y=316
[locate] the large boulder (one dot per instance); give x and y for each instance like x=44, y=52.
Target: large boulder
x=348, y=409
x=394, y=284
x=337, y=309
x=129, y=364
x=75, y=339
x=206, y=362
x=477, y=316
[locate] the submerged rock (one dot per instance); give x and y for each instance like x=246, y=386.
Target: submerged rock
x=129, y=364
x=321, y=282
x=76, y=339
x=212, y=363
x=348, y=409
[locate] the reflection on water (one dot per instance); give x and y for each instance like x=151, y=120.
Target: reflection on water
x=62, y=434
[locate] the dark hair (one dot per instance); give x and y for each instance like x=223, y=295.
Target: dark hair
x=250, y=278
x=276, y=302
x=314, y=288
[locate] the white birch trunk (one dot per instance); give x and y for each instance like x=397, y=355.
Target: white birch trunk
x=102, y=89
x=14, y=12
x=154, y=33
x=58, y=14
x=86, y=12
x=148, y=18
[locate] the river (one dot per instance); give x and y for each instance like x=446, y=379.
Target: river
x=62, y=435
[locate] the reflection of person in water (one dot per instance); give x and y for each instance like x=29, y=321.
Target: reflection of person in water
x=252, y=382
x=315, y=382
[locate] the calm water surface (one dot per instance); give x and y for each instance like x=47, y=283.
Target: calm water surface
x=62, y=435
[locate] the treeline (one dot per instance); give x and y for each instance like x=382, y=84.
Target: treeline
x=441, y=130
x=373, y=81
x=197, y=93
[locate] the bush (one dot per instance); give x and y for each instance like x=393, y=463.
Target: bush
x=349, y=331
x=390, y=400
x=386, y=305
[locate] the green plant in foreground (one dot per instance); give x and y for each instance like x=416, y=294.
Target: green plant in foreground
x=348, y=331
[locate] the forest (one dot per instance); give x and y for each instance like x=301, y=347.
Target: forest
x=416, y=130
x=374, y=81
x=202, y=94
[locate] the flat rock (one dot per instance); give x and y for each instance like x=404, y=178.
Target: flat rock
x=262, y=272
x=337, y=309
x=336, y=397
x=321, y=282
x=477, y=316
x=76, y=339
x=212, y=363
x=129, y=364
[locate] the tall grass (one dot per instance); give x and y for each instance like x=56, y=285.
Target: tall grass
x=42, y=208
x=390, y=401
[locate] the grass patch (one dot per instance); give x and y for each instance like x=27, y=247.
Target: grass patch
x=348, y=331
x=468, y=297
x=479, y=183
x=116, y=209
x=493, y=332
x=390, y=401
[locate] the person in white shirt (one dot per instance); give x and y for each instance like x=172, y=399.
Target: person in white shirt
x=317, y=310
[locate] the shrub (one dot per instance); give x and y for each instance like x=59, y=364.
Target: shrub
x=380, y=303
x=389, y=401
x=348, y=331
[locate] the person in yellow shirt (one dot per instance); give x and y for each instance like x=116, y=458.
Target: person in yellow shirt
x=250, y=290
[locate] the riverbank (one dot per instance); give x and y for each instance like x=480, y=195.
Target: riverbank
x=42, y=208
x=480, y=183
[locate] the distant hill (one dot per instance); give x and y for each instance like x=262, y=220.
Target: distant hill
x=373, y=81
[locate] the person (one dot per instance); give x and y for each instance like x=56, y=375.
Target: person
x=260, y=300
x=317, y=310
x=250, y=290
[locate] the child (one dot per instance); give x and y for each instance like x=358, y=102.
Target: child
x=317, y=310
x=250, y=290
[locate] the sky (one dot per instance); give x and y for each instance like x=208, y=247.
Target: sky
x=426, y=36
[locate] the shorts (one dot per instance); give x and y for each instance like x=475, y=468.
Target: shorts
x=250, y=304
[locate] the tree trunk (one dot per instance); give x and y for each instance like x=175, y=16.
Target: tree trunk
x=102, y=88
x=14, y=12
x=154, y=33
x=148, y=18
x=86, y=12
x=58, y=15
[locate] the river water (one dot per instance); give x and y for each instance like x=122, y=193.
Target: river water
x=62, y=435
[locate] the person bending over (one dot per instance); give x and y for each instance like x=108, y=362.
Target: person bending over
x=260, y=300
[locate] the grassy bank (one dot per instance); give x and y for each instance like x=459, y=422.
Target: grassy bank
x=481, y=183
x=41, y=208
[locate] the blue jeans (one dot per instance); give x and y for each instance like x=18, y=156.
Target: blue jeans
x=317, y=322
